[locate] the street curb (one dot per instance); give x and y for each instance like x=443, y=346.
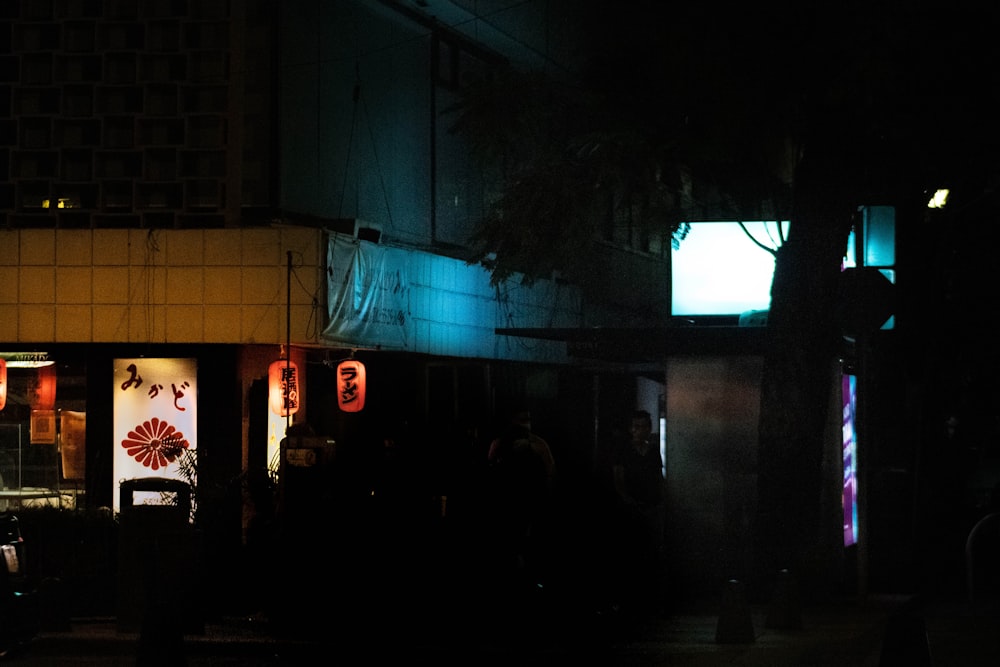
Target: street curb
x=101, y=636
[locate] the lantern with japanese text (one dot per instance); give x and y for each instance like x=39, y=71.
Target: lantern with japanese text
x=351, y=385
x=3, y=384
x=283, y=387
x=43, y=392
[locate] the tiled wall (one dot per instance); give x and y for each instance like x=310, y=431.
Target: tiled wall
x=445, y=306
x=133, y=285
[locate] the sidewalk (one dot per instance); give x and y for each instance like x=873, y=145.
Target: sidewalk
x=841, y=634
x=885, y=631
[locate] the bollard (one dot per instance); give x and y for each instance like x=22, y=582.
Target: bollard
x=905, y=642
x=785, y=612
x=735, y=622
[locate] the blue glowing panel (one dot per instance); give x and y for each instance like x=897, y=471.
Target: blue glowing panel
x=879, y=234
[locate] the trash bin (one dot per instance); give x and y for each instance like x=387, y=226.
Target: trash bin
x=158, y=557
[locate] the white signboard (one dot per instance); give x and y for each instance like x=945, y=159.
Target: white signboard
x=155, y=414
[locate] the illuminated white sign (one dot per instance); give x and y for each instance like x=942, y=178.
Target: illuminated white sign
x=155, y=420
x=720, y=268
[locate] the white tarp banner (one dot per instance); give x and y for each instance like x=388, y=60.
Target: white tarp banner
x=368, y=294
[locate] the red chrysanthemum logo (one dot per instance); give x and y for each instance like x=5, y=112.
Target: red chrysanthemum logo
x=155, y=443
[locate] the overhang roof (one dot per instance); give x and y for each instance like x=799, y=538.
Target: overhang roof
x=627, y=344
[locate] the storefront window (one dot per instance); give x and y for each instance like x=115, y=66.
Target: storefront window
x=42, y=434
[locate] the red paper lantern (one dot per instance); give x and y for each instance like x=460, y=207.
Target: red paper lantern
x=351, y=385
x=44, y=392
x=283, y=387
x=3, y=384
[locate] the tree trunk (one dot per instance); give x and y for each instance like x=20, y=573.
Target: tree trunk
x=803, y=341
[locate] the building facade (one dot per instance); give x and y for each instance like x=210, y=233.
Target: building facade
x=222, y=182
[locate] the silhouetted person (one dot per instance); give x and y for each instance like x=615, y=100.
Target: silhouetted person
x=261, y=537
x=638, y=479
x=522, y=475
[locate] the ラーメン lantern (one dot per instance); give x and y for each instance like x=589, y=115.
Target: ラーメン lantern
x=283, y=387
x=3, y=384
x=351, y=385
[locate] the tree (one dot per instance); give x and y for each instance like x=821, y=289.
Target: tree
x=763, y=112
x=558, y=156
